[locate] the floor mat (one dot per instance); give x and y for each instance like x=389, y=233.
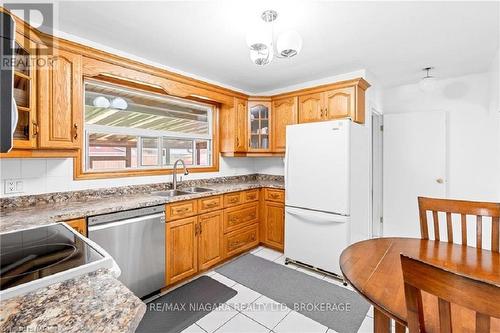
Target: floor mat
x=338, y=308
x=182, y=307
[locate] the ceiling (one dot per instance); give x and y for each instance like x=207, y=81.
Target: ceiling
x=392, y=40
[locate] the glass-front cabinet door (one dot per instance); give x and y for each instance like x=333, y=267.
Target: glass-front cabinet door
x=24, y=93
x=259, y=129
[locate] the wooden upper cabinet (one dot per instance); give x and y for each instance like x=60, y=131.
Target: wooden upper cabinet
x=310, y=108
x=284, y=113
x=25, y=80
x=233, y=127
x=259, y=129
x=339, y=103
x=241, y=124
x=347, y=100
x=60, y=101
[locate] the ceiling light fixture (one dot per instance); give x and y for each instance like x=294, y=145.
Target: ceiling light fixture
x=428, y=82
x=261, y=44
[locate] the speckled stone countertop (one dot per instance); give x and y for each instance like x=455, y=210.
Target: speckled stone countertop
x=27, y=217
x=94, y=302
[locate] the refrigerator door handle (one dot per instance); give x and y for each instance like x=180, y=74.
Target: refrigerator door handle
x=287, y=159
x=316, y=216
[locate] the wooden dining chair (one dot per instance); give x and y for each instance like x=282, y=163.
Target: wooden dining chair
x=450, y=288
x=463, y=208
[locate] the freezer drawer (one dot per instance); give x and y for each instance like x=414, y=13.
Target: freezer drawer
x=138, y=247
x=316, y=238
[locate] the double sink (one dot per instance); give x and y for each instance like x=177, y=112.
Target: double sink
x=185, y=191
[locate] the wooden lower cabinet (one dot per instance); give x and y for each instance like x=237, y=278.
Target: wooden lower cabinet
x=274, y=225
x=210, y=248
x=79, y=225
x=196, y=243
x=241, y=240
x=182, y=249
x=240, y=216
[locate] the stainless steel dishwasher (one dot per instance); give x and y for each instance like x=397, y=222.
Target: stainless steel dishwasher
x=136, y=240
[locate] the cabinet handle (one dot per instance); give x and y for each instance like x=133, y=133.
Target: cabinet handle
x=35, y=129
x=211, y=204
x=234, y=200
x=237, y=142
x=200, y=228
x=274, y=196
x=321, y=112
x=181, y=210
x=75, y=126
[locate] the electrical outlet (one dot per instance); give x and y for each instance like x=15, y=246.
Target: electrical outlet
x=13, y=186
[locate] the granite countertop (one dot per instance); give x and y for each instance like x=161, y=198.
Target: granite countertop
x=94, y=302
x=22, y=218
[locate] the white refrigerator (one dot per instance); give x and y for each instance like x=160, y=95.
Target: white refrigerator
x=326, y=191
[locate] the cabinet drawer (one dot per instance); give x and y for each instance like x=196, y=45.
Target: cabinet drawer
x=241, y=240
x=178, y=210
x=233, y=199
x=251, y=195
x=274, y=195
x=237, y=217
x=209, y=204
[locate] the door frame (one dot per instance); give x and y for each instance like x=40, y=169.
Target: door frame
x=376, y=179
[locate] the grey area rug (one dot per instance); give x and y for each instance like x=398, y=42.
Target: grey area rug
x=182, y=307
x=308, y=295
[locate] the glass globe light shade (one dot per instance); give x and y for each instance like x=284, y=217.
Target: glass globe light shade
x=289, y=44
x=101, y=102
x=261, y=58
x=428, y=84
x=119, y=103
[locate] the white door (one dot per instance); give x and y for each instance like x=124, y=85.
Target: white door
x=414, y=165
x=317, y=166
x=316, y=238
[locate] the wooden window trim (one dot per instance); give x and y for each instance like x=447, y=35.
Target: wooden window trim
x=80, y=174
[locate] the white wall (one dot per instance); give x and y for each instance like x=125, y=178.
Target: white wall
x=270, y=166
x=494, y=77
x=56, y=175
x=473, y=131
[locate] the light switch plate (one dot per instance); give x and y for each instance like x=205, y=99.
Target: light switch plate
x=13, y=186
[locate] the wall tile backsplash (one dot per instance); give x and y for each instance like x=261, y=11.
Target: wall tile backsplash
x=56, y=175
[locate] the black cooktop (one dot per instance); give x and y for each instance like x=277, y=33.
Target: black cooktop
x=28, y=255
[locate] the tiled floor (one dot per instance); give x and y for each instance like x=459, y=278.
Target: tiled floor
x=252, y=312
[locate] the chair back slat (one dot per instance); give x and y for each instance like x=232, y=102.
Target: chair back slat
x=479, y=232
x=424, y=229
x=449, y=288
x=464, y=228
x=495, y=234
x=449, y=227
x=435, y=219
x=463, y=208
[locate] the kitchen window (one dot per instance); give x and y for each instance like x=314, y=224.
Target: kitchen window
x=133, y=130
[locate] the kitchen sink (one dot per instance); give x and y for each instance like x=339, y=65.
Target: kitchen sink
x=195, y=189
x=170, y=193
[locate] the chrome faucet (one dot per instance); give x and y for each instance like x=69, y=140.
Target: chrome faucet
x=174, y=172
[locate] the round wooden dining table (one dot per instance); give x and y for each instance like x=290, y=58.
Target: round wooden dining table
x=373, y=268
